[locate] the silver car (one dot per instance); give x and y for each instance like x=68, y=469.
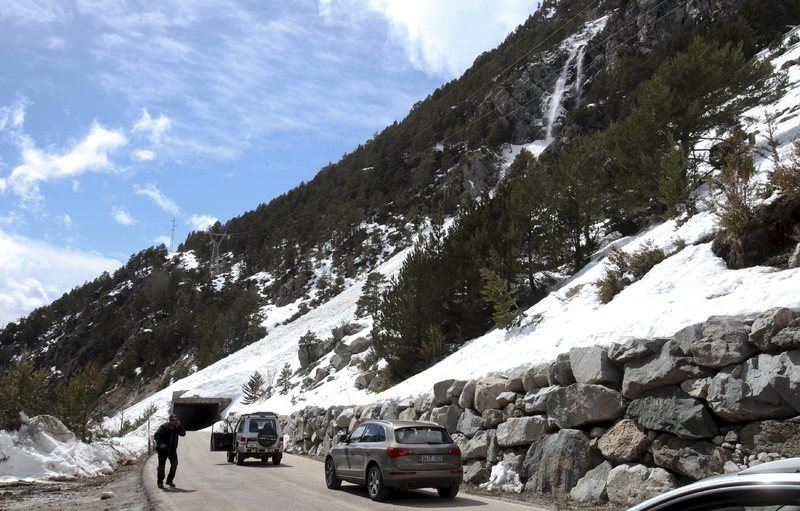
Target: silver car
x=386, y=454
x=769, y=487
x=256, y=435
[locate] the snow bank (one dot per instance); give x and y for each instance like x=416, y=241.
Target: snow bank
x=45, y=449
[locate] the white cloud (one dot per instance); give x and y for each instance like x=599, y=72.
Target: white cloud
x=121, y=216
x=55, y=43
x=153, y=128
x=90, y=154
x=27, y=12
x=13, y=116
x=201, y=222
x=143, y=155
x=33, y=273
x=440, y=37
x=152, y=192
x=163, y=240
x=66, y=219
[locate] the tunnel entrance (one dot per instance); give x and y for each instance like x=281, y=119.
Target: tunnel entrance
x=197, y=413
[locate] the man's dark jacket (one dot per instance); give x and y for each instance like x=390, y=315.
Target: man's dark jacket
x=168, y=435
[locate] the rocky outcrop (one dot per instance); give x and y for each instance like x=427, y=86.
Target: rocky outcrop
x=617, y=424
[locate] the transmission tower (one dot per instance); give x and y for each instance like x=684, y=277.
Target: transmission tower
x=172, y=234
x=216, y=241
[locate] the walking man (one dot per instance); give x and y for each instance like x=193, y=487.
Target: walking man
x=166, y=438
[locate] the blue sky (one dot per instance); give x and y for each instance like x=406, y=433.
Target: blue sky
x=118, y=116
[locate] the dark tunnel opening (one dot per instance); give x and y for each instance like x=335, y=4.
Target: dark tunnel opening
x=196, y=413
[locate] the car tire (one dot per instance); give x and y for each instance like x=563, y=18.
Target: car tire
x=231, y=457
x=331, y=480
x=240, y=459
x=448, y=492
x=375, y=488
x=264, y=459
x=276, y=460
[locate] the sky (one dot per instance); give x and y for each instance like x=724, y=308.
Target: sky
x=118, y=118
x=686, y=288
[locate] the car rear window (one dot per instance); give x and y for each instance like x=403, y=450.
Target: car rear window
x=258, y=424
x=422, y=435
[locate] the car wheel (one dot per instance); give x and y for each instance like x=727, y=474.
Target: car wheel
x=276, y=460
x=331, y=481
x=448, y=492
x=264, y=459
x=231, y=457
x=240, y=459
x=375, y=488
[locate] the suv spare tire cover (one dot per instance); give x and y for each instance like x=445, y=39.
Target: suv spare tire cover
x=267, y=436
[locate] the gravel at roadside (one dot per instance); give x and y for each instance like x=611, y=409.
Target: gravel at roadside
x=121, y=491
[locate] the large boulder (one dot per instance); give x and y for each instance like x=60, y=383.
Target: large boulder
x=469, y=423
x=767, y=324
x=592, y=486
x=672, y=410
x=536, y=400
x=747, y=392
x=690, y=458
x=724, y=342
x=521, y=431
x=669, y=366
x=557, y=462
x=467, y=397
x=591, y=365
x=582, y=403
x=634, y=349
x=536, y=376
x=631, y=484
x=447, y=417
x=624, y=442
x=486, y=392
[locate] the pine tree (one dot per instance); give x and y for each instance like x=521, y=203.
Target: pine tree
x=253, y=389
x=786, y=176
x=24, y=389
x=79, y=399
x=502, y=295
x=736, y=210
x=283, y=382
x=370, y=299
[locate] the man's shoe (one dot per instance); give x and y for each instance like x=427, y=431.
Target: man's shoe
x=170, y=484
x=161, y=485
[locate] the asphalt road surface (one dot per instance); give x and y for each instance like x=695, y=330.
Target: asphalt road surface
x=205, y=481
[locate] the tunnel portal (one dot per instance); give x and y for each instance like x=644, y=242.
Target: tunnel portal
x=197, y=413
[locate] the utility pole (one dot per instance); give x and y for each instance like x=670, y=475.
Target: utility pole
x=172, y=234
x=216, y=240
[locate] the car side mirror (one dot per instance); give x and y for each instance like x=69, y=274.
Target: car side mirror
x=343, y=438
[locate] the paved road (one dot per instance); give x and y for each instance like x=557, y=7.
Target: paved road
x=206, y=481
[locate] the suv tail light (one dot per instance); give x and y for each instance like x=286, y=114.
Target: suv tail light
x=394, y=452
x=280, y=440
x=243, y=439
x=455, y=451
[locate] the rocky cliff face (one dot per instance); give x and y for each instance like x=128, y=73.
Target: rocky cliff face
x=614, y=424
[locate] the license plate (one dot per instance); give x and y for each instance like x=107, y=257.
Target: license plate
x=429, y=458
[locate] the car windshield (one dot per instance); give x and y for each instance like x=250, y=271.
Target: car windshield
x=422, y=435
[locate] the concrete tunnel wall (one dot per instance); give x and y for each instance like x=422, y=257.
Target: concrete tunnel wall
x=198, y=413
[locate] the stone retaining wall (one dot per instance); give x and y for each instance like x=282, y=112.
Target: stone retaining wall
x=619, y=423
